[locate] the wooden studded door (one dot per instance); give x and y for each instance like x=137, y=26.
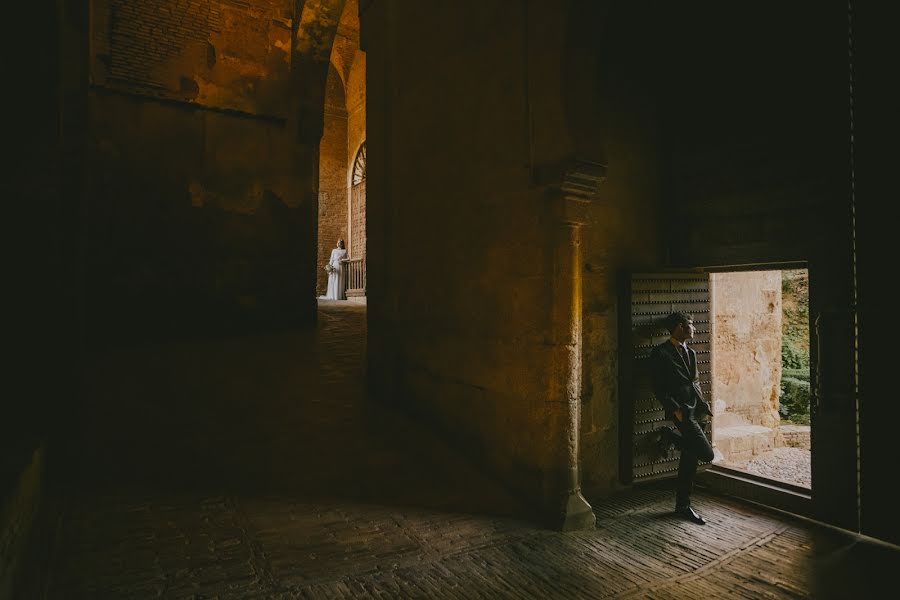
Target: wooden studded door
x=647, y=299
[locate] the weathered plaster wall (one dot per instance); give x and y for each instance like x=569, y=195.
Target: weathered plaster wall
x=192, y=217
x=462, y=314
x=199, y=212
x=746, y=347
x=465, y=322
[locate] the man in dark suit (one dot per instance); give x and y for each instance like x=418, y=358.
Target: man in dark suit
x=673, y=368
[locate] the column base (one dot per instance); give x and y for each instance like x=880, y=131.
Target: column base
x=577, y=514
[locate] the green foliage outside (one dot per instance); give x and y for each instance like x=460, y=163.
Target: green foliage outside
x=794, y=400
x=795, y=389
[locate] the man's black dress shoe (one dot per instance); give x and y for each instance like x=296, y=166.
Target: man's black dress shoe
x=690, y=514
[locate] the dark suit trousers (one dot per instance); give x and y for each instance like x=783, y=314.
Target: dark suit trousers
x=694, y=447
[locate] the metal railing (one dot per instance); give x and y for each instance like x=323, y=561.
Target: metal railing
x=354, y=276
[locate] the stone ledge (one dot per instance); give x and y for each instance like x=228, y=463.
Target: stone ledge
x=793, y=436
x=743, y=442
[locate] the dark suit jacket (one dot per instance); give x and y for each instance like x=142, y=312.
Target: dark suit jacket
x=675, y=384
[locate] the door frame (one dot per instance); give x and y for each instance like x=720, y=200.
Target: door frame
x=826, y=454
x=747, y=486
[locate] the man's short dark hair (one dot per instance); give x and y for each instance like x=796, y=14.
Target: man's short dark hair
x=676, y=319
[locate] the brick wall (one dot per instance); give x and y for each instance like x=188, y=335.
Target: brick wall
x=356, y=132
x=332, y=176
x=198, y=212
x=225, y=53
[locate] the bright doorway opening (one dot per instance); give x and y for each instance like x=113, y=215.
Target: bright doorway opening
x=761, y=374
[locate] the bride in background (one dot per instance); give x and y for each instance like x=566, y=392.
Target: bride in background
x=335, y=273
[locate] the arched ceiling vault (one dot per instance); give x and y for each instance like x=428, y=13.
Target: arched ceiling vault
x=316, y=28
x=314, y=34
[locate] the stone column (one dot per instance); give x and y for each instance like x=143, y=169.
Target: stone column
x=569, y=213
x=315, y=25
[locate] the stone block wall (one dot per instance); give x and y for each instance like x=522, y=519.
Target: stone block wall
x=794, y=436
x=746, y=347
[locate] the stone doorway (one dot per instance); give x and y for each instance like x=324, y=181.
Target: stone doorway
x=760, y=374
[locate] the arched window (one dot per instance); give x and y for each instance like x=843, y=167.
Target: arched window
x=359, y=165
x=356, y=285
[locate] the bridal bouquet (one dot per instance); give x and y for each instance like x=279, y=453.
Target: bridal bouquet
x=329, y=268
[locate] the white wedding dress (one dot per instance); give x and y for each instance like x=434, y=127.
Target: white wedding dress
x=336, y=277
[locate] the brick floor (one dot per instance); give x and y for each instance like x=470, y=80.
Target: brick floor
x=306, y=491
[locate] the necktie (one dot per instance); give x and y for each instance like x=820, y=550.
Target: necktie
x=684, y=355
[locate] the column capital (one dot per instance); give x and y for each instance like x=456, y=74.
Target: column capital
x=575, y=184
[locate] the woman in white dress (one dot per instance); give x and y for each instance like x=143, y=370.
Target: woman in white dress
x=335, y=273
